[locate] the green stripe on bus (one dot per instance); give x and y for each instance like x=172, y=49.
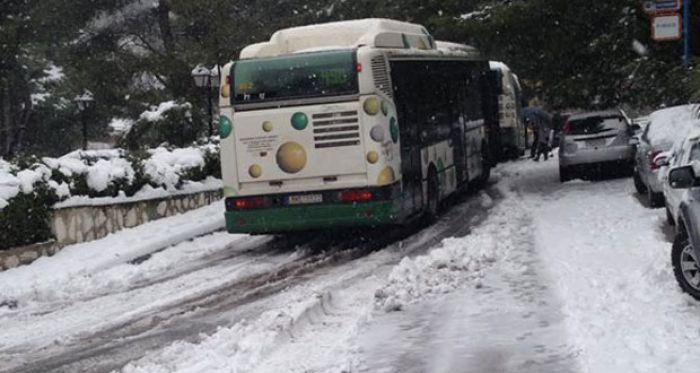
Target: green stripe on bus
x=298, y=218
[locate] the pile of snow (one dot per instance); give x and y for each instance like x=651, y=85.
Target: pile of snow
x=239, y=348
x=459, y=262
x=666, y=126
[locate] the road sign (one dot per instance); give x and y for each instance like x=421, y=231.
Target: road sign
x=666, y=27
x=661, y=6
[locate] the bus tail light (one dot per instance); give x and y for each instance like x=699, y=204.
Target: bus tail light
x=250, y=203
x=350, y=196
x=358, y=68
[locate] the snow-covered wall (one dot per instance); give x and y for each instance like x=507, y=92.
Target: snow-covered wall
x=71, y=225
x=86, y=223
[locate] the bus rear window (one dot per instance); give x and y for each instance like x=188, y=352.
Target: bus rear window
x=293, y=77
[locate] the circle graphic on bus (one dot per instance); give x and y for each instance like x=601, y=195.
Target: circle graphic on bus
x=300, y=121
x=371, y=106
x=394, y=130
x=387, y=176
x=255, y=171
x=291, y=157
x=372, y=157
x=377, y=133
x=225, y=126
x=267, y=126
x=385, y=108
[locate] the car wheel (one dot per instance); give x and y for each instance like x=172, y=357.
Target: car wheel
x=432, y=209
x=685, y=266
x=655, y=199
x=669, y=217
x=564, y=174
x=639, y=184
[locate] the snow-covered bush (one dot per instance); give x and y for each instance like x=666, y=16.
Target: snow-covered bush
x=29, y=187
x=25, y=198
x=170, y=123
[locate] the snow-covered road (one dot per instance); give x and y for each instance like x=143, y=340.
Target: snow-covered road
x=532, y=276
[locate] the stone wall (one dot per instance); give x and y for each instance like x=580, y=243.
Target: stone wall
x=26, y=254
x=71, y=225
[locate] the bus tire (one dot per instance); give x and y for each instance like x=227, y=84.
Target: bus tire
x=432, y=207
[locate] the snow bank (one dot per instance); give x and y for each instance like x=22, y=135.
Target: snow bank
x=81, y=268
x=239, y=348
x=459, y=262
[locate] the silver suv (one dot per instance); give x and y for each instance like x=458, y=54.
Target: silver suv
x=592, y=140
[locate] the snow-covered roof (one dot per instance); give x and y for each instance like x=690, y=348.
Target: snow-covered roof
x=375, y=32
x=497, y=65
x=667, y=125
x=449, y=46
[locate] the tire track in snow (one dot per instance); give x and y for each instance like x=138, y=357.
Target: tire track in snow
x=187, y=318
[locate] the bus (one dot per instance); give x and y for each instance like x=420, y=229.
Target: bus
x=511, y=139
x=344, y=124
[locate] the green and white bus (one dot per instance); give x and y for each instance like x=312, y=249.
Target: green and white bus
x=356, y=123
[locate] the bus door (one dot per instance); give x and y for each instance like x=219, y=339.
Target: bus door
x=457, y=87
x=411, y=169
x=406, y=89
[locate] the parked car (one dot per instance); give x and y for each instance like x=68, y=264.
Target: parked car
x=593, y=140
x=686, y=244
x=684, y=152
x=638, y=125
x=665, y=127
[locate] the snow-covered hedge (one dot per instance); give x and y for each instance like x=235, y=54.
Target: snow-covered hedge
x=29, y=188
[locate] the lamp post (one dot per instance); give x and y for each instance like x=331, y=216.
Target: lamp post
x=84, y=101
x=207, y=79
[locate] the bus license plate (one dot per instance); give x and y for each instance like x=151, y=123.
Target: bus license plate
x=305, y=199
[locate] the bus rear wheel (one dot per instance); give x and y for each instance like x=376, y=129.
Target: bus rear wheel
x=432, y=209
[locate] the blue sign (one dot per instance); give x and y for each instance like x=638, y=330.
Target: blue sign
x=667, y=4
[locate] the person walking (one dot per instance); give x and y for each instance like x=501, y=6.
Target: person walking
x=543, y=136
x=535, y=141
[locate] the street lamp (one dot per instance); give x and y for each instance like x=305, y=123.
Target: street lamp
x=84, y=101
x=207, y=79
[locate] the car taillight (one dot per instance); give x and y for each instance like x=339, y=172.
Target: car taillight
x=249, y=203
x=652, y=159
x=566, y=129
x=356, y=196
